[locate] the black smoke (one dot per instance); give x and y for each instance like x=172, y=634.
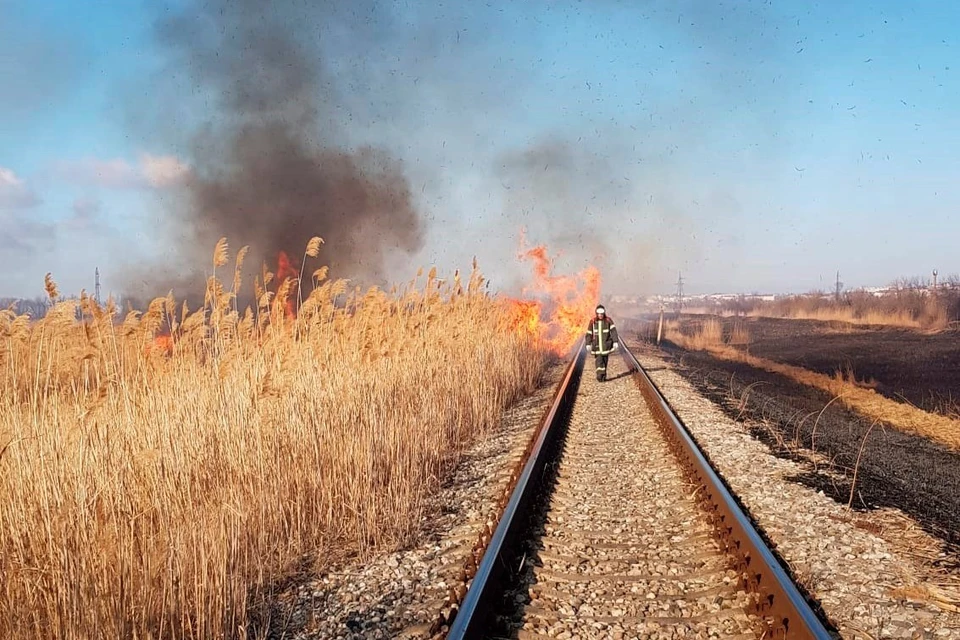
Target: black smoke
x=267, y=102
x=268, y=164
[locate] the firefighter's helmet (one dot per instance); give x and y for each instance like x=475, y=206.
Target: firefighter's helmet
x=600, y=310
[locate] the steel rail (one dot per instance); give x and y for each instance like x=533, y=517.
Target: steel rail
x=472, y=613
x=785, y=611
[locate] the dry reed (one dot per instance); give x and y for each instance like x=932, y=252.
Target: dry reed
x=908, y=309
x=160, y=487
x=843, y=314
x=739, y=335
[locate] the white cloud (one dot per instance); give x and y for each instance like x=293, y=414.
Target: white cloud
x=9, y=179
x=104, y=173
x=163, y=171
x=19, y=233
x=85, y=214
x=154, y=172
x=14, y=193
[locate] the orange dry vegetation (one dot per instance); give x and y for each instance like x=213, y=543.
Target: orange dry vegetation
x=159, y=490
x=842, y=386
x=907, y=308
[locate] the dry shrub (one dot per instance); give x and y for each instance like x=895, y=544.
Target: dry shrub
x=934, y=315
x=159, y=487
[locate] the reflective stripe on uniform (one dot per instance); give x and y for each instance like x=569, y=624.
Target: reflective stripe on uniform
x=598, y=332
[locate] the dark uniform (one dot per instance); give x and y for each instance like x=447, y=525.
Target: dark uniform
x=601, y=339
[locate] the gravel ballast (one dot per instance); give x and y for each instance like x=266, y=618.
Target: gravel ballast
x=625, y=549
x=869, y=571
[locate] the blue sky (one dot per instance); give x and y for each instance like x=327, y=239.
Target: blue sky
x=757, y=146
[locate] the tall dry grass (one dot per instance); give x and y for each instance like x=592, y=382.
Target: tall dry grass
x=739, y=334
x=707, y=333
x=153, y=495
x=906, y=308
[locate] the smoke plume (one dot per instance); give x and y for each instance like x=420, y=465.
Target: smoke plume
x=267, y=168
x=308, y=119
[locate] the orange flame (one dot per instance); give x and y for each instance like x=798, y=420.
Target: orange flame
x=162, y=344
x=525, y=317
x=285, y=270
x=569, y=302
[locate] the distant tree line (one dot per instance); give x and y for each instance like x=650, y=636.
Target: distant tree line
x=37, y=307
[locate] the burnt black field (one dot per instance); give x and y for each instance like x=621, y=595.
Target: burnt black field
x=906, y=365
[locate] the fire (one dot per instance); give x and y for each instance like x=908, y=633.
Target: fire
x=569, y=301
x=525, y=317
x=285, y=270
x=162, y=344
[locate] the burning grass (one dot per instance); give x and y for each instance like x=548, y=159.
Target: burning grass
x=844, y=386
x=160, y=487
x=567, y=300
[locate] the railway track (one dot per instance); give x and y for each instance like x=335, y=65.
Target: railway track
x=617, y=527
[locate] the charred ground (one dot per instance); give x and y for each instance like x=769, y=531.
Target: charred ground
x=906, y=365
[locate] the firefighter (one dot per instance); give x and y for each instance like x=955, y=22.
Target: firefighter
x=602, y=340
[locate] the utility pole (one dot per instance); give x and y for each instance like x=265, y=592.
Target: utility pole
x=97, y=288
x=660, y=326
x=679, y=293
x=839, y=287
